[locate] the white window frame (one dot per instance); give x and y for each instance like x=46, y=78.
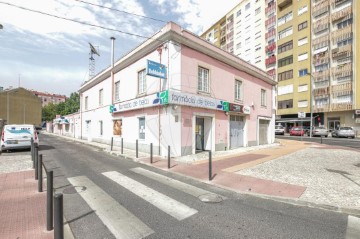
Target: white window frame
x=142, y=82
x=101, y=128
x=302, y=104
x=141, y=131
x=302, y=10
x=86, y=103
x=203, y=79
x=101, y=97
x=117, y=91
x=238, y=90
x=303, y=88
x=303, y=56
x=286, y=32
x=284, y=19
x=302, y=41
x=263, y=97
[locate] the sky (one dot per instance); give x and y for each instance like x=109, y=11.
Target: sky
x=41, y=50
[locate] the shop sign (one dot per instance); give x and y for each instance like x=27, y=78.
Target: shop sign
x=199, y=101
x=357, y=112
x=159, y=98
x=246, y=110
x=236, y=108
x=156, y=69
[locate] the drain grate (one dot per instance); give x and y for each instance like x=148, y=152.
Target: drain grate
x=73, y=190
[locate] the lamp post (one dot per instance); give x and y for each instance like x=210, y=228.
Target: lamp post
x=311, y=103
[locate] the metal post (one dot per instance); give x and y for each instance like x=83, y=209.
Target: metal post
x=168, y=156
x=36, y=162
x=151, y=153
x=49, y=201
x=210, y=167
x=112, y=142
x=122, y=146
x=40, y=173
x=32, y=151
x=321, y=138
x=58, y=216
x=137, y=149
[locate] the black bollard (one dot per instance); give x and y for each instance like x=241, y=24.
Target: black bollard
x=168, y=156
x=36, y=162
x=112, y=143
x=137, y=149
x=32, y=152
x=58, y=216
x=151, y=153
x=122, y=146
x=40, y=174
x=210, y=167
x=49, y=201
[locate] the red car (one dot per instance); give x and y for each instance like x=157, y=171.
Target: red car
x=298, y=131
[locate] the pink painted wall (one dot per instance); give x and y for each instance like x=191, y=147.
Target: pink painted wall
x=222, y=83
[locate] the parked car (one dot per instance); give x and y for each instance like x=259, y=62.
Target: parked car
x=279, y=129
x=346, y=132
x=18, y=136
x=319, y=131
x=297, y=131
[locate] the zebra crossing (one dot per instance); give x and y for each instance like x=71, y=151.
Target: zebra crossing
x=122, y=223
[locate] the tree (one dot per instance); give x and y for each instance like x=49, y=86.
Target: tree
x=70, y=106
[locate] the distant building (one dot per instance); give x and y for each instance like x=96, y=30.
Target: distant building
x=47, y=98
x=20, y=106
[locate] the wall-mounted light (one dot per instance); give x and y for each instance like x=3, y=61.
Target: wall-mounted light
x=226, y=113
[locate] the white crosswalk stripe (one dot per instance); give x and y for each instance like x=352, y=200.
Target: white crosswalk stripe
x=161, y=201
x=186, y=188
x=120, y=221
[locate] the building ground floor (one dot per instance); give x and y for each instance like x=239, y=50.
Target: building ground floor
x=185, y=129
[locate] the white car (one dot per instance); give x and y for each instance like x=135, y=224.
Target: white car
x=279, y=129
x=18, y=136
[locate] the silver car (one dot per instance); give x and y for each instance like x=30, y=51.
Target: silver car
x=346, y=132
x=279, y=129
x=319, y=131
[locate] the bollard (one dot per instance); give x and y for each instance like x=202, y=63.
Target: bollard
x=321, y=139
x=40, y=174
x=36, y=162
x=137, y=149
x=168, y=156
x=210, y=167
x=122, y=146
x=112, y=143
x=151, y=153
x=49, y=201
x=32, y=152
x=58, y=216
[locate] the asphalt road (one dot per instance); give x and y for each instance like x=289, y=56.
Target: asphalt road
x=112, y=200
x=345, y=142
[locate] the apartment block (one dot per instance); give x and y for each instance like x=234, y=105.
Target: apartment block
x=47, y=98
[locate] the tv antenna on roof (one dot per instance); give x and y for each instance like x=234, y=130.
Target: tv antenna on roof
x=93, y=51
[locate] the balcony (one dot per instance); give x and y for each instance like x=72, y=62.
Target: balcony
x=346, y=12
x=342, y=51
x=336, y=3
x=270, y=34
x=321, y=8
x=341, y=69
x=342, y=89
x=321, y=41
x=270, y=9
x=270, y=61
x=321, y=58
x=320, y=74
x=341, y=106
x=321, y=92
x=342, y=34
x=270, y=22
x=284, y=3
x=269, y=1
x=321, y=108
x=270, y=48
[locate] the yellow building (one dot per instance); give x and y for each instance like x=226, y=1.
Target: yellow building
x=216, y=34
x=20, y=106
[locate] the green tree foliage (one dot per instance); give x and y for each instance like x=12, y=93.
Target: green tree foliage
x=71, y=105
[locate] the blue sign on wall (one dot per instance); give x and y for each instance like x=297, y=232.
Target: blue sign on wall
x=156, y=69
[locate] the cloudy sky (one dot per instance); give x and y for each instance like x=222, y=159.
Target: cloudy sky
x=41, y=50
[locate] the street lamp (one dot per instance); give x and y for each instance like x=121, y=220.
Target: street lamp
x=311, y=103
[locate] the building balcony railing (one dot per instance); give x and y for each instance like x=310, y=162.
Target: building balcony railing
x=339, y=70
x=270, y=48
x=270, y=9
x=321, y=59
x=320, y=74
x=341, y=106
x=321, y=11
x=341, y=34
x=342, y=51
x=271, y=60
x=284, y=3
x=335, y=3
x=342, y=87
x=321, y=108
x=321, y=91
x=320, y=40
x=346, y=12
x=270, y=34
x=270, y=22
x=271, y=72
x=320, y=27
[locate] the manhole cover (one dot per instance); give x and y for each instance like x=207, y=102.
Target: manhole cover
x=73, y=190
x=211, y=198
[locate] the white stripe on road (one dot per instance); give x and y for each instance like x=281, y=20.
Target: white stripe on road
x=353, y=228
x=120, y=221
x=161, y=201
x=186, y=188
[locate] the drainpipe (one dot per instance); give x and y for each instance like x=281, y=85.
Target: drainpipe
x=159, y=50
x=112, y=69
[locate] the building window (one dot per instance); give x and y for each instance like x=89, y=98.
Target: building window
x=263, y=97
x=285, y=75
x=141, y=82
x=302, y=25
x=238, y=13
x=285, y=89
x=258, y=10
x=238, y=90
x=285, y=61
x=117, y=90
x=302, y=10
x=303, y=72
x=302, y=57
x=287, y=17
x=203, y=79
x=285, y=47
x=101, y=97
x=302, y=103
x=247, y=6
x=142, y=128
x=302, y=88
x=285, y=104
x=302, y=41
x=100, y=127
x=86, y=102
x=286, y=32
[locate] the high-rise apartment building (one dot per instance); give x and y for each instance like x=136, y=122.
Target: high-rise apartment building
x=242, y=32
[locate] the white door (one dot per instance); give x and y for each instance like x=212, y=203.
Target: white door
x=236, y=131
x=263, y=131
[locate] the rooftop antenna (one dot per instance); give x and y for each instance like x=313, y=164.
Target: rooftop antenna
x=93, y=51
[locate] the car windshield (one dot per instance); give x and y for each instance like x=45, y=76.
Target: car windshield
x=296, y=128
x=345, y=128
x=279, y=127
